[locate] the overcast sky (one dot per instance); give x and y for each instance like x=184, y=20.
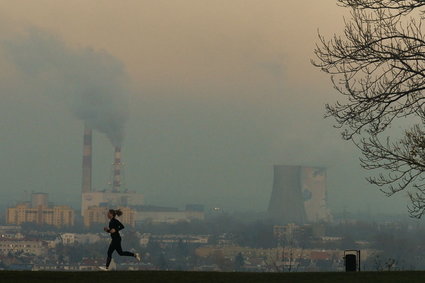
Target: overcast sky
x=218, y=92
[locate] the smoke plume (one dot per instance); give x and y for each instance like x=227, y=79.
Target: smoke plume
x=93, y=83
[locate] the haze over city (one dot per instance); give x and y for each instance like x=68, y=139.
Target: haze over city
x=206, y=141
x=210, y=95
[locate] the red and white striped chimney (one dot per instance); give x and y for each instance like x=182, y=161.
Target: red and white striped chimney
x=86, y=185
x=116, y=182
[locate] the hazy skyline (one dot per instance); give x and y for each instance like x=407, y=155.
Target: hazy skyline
x=221, y=91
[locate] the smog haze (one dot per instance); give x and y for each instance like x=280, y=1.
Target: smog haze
x=204, y=97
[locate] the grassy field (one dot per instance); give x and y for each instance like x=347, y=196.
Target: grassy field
x=206, y=277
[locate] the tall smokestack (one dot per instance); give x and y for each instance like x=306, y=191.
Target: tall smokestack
x=116, y=185
x=87, y=161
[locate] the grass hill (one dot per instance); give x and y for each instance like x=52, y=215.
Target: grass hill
x=206, y=277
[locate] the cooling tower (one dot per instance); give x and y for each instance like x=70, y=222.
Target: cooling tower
x=116, y=182
x=315, y=194
x=87, y=161
x=286, y=202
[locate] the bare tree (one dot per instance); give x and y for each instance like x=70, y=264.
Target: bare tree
x=378, y=66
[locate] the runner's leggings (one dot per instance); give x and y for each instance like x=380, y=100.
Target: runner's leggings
x=116, y=245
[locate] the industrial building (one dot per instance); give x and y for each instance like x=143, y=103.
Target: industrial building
x=40, y=212
x=110, y=199
x=299, y=195
x=167, y=215
x=95, y=204
x=97, y=214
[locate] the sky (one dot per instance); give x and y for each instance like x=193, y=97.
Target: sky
x=211, y=94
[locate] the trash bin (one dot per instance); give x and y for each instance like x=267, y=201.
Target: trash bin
x=352, y=260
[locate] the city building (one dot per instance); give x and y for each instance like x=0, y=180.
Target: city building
x=155, y=214
x=39, y=212
x=77, y=238
x=67, y=238
x=172, y=239
x=33, y=247
x=10, y=231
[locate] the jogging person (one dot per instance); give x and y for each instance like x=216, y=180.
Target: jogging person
x=114, y=227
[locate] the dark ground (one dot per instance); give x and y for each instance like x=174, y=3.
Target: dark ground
x=206, y=277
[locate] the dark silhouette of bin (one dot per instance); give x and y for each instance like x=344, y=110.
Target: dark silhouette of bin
x=350, y=263
x=352, y=260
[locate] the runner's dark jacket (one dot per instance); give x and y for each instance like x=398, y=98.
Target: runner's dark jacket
x=117, y=225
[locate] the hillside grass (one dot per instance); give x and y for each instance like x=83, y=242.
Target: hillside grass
x=206, y=277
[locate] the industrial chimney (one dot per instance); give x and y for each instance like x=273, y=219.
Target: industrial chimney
x=87, y=161
x=116, y=182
